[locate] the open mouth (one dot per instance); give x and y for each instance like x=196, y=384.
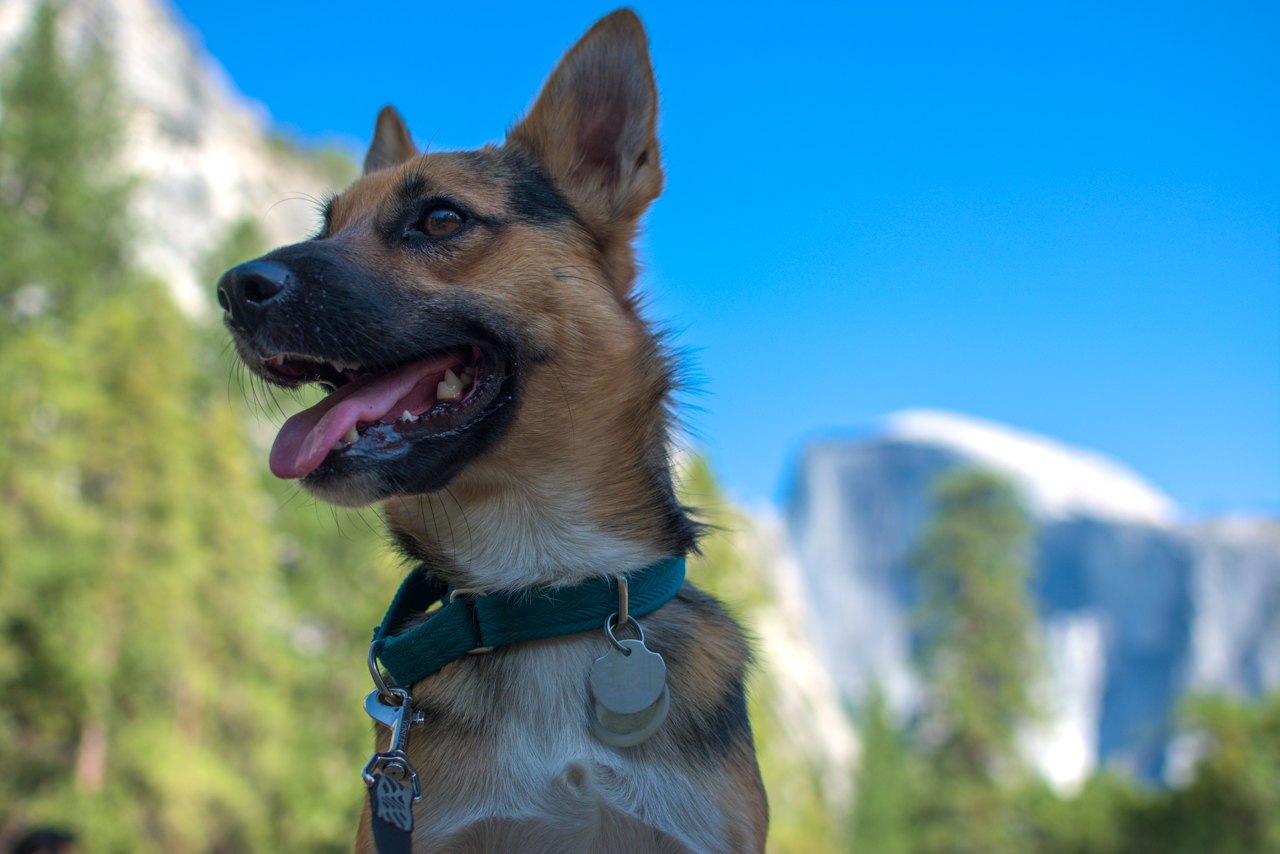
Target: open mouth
x=371, y=410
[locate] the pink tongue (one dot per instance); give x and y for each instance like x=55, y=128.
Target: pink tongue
x=306, y=438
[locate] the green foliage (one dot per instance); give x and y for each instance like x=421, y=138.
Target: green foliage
x=977, y=656
x=328, y=161
x=161, y=665
x=1232, y=804
x=177, y=673
x=885, y=802
x=1097, y=820
x=725, y=567
x=976, y=619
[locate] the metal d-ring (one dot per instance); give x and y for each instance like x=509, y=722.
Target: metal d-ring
x=387, y=694
x=608, y=631
x=622, y=601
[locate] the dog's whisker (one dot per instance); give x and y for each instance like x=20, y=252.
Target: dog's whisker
x=467, y=522
x=427, y=148
x=573, y=433
x=421, y=514
x=358, y=518
x=295, y=197
x=608, y=291
x=294, y=492
x=276, y=402
x=378, y=528
x=448, y=519
x=434, y=521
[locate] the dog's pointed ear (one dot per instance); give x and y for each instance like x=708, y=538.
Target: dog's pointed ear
x=594, y=127
x=391, y=144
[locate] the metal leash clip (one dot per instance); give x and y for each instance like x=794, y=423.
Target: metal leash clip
x=393, y=763
x=392, y=781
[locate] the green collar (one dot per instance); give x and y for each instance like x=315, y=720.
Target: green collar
x=467, y=621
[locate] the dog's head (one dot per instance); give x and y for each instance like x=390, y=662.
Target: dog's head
x=471, y=311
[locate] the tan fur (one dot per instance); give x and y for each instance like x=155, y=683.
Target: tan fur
x=578, y=484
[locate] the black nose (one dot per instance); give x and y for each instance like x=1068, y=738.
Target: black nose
x=247, y=292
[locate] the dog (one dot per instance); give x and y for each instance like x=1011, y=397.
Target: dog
x=494, y=387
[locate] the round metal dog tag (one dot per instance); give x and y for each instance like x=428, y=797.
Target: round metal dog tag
x=630, y=690
x=627, y=681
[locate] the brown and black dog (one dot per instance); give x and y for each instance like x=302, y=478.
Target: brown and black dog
x=494, y=387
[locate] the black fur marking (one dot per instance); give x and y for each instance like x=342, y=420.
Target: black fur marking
x=709, y=736
x=328, y=297
x=326, y=212
x=670, y=642
x=680, y=532
x=411, y=188
x=730, y=726
x=411, y=548
x=534, y=198
x=404, y=208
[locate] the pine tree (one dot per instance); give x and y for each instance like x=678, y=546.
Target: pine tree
x=1232, y=803
x=882, y=811
x=978, y=657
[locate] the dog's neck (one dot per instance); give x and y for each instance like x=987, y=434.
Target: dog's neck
x=521, y=528
x=580, y=487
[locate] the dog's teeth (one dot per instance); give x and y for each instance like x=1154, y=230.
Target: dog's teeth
x=277, y=361
x=467, y=377
x=408, y=416
x=351, y=436
x=450, y=387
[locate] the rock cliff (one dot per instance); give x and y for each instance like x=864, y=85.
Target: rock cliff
x=202, y=154
x=1136, y=607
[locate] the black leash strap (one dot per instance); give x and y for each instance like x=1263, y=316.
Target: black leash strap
x=391, y=805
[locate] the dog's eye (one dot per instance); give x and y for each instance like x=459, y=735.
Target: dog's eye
x=441, y=221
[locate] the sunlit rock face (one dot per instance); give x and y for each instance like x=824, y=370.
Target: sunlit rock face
x=1136, y=608
x=200, y=152
x=1133, y=582
x=1235, y=629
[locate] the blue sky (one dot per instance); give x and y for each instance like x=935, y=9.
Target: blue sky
x=1065, y=218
